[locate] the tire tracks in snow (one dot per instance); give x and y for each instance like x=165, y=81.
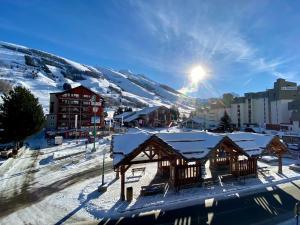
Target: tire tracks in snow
x=27, y=196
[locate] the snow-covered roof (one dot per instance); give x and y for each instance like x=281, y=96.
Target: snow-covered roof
x=124, y=115
x=191, y=145
x=126, y=143
x=252, y=143
x=194, y=120
x=144, y=111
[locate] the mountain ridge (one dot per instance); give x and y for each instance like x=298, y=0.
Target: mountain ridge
x=44, y=72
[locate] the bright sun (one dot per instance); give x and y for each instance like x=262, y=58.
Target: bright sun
x=197, y=74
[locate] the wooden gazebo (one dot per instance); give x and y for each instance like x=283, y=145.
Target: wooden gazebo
x=179, y=156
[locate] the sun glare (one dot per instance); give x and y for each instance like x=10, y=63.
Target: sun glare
x=197, y=74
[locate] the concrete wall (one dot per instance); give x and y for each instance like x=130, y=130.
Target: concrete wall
x=280, y=112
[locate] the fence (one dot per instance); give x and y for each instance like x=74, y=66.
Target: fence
x=187, y=174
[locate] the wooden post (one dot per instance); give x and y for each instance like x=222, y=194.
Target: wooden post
x=122, y=183
x=118, y=174
x=198, y=163
x=279, y=163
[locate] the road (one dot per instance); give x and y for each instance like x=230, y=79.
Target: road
x=17, y=189
x=265, y=208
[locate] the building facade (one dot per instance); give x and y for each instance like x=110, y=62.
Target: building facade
x=214, y=111
x=268, y=108
x=74, y=109
x=294, y=109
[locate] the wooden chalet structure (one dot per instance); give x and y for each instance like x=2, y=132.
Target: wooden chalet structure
x=179, y=156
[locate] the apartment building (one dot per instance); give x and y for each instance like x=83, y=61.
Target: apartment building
x=214, y=111
x=294, y=109
x=78, y=106
x=268, y=108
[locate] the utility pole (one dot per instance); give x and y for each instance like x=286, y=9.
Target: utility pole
x=103, y=167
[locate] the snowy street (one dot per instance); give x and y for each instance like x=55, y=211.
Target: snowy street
x=34, y=180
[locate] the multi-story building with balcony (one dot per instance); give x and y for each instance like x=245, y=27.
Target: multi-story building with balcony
x=77, y=108
x=268, y=108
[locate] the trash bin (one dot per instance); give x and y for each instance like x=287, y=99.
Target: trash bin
x=129, y=193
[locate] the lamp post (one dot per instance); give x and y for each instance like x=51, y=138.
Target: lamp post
x=95, y=109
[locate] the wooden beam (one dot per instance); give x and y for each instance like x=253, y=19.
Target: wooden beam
x=148, y=161
x=122, y=197
x=279, y=163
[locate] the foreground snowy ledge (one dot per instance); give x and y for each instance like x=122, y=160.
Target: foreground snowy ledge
x=108, y=204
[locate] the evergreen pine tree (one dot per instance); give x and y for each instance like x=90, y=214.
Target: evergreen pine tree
x=225, y=122
x=21, y=115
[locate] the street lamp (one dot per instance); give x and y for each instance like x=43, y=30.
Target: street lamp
x=95, y=110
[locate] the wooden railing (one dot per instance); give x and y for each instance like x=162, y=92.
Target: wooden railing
x=244, y=167
x=187, y=174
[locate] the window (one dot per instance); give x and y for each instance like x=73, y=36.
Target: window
x=51, y=107
x=75, y=95
x=63, y=109
x=74, y=102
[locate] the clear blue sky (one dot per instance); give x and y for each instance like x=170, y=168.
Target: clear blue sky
x=245, y=45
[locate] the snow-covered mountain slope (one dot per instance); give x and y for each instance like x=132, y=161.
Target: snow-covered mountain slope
x=43, y=73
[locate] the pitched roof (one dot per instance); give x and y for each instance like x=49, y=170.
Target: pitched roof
x=124, y=115
x=80, y=86
x=252, y=143
x=144, y=111
x=191, y=145
x=194, y=119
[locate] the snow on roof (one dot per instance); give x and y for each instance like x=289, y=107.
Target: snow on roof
x=191, y=145
x=195, y=120
x=252, y=143
x=144, y=111
x=125, y=144
x=124, y=115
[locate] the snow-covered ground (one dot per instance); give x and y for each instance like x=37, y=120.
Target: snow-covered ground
x=35, y=182
x=67, y=188
x=107, y=206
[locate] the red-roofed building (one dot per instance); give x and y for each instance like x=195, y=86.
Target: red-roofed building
x=77, y=102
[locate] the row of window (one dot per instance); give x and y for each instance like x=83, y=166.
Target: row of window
x=74, y=102
x=74, y=109
x=74, y=95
